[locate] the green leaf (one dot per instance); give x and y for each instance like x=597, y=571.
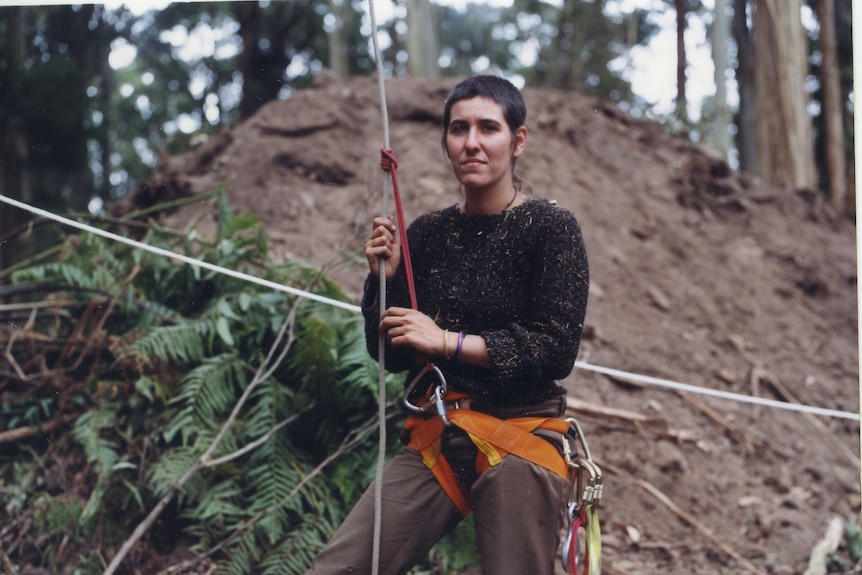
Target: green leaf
x=223, y=330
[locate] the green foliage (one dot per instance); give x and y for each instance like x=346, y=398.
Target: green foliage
x=853, y=539
x=847, y=558
x=456, y=551
x=154, y=359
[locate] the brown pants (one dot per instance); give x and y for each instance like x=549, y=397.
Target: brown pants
x=518, y=511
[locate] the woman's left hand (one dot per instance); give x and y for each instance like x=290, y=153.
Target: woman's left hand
x=408, y=327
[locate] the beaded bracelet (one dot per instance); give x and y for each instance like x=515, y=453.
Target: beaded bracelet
x=461, y=336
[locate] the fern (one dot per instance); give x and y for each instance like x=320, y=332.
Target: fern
x=294, y=553
x=184, y=343
x=205, y=396
x=166, y=472
x=88, y=431
x=181, y=346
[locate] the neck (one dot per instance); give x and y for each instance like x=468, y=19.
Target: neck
x=487, y=204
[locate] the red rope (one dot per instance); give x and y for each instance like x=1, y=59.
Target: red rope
x=389, y=164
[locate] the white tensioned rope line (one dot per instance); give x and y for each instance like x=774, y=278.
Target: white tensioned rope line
x=619, y=374
x=176, y=256
x=714, y=392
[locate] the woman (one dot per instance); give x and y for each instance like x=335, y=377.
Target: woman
x=501, y=282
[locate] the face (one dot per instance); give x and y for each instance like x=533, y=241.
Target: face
x=481, y=146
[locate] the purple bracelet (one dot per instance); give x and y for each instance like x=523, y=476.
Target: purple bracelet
x=461, y=336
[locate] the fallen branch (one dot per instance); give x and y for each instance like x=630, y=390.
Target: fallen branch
x=827, y=545
x=704, y=530
x=21, y=433
x=759, y=372
x=852, y=457
x=740, y=436
x=638, y=419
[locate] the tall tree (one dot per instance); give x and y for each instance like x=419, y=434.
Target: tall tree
x=423, y=46
x=248, y=16
x=719, y=36
x=337, y=30
x=745, y=117
x=575, y=44
x=14, y=137
x=785, y=145
x=831, y=107
x=681, y=60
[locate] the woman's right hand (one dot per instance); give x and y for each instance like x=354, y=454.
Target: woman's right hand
x=383, y=242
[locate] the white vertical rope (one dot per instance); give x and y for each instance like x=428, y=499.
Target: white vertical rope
x=857, y=120
x=381, y=341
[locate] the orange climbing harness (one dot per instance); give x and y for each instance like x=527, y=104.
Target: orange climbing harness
x=495, y=438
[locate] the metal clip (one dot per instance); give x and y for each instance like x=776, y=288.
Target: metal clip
x=586, y=491
x=570, y=542
x=589, y=490
x=587, y=485
x=436, y=398
x=580, y=437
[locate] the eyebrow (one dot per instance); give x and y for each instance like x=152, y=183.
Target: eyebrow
x=481, y=121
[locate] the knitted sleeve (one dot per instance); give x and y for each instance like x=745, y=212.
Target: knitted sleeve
x=545, y=344
x=397, y=294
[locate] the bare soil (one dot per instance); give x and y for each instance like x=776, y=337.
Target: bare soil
x=700, y=275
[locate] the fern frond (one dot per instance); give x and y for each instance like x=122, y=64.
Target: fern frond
x=184, y=343
x=104, y=453
x=295, y=552
x=206, y=394
x=170, y=467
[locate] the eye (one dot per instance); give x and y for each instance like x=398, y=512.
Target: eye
x=457, y=128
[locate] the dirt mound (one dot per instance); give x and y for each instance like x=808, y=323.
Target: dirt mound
x=699, y=275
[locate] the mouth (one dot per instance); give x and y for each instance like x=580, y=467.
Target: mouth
x=472, y=163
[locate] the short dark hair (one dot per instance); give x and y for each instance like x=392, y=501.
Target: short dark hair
x=494, y=88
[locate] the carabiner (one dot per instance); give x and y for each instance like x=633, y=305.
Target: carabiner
x=580, y=437
x=439, y=393
x=570, y=554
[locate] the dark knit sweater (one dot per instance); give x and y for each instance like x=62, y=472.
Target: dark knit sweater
x=519, y=279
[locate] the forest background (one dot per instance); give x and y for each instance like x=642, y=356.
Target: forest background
x=80, y=133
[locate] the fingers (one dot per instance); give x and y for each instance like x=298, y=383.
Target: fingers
x=408, y=327
x=382, y=242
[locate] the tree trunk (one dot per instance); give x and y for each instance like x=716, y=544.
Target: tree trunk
x=338, y=58
x=105, y=94
x=833, y=128
x=719, y=35
x=248, y=15
x=422, y=43
x=14, y=140
x=745, y=120
x=785, y=146
x=681, y=104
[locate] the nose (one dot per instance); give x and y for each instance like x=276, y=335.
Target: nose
x=472, y=142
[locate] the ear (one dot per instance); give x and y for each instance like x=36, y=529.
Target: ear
x=520, y=141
